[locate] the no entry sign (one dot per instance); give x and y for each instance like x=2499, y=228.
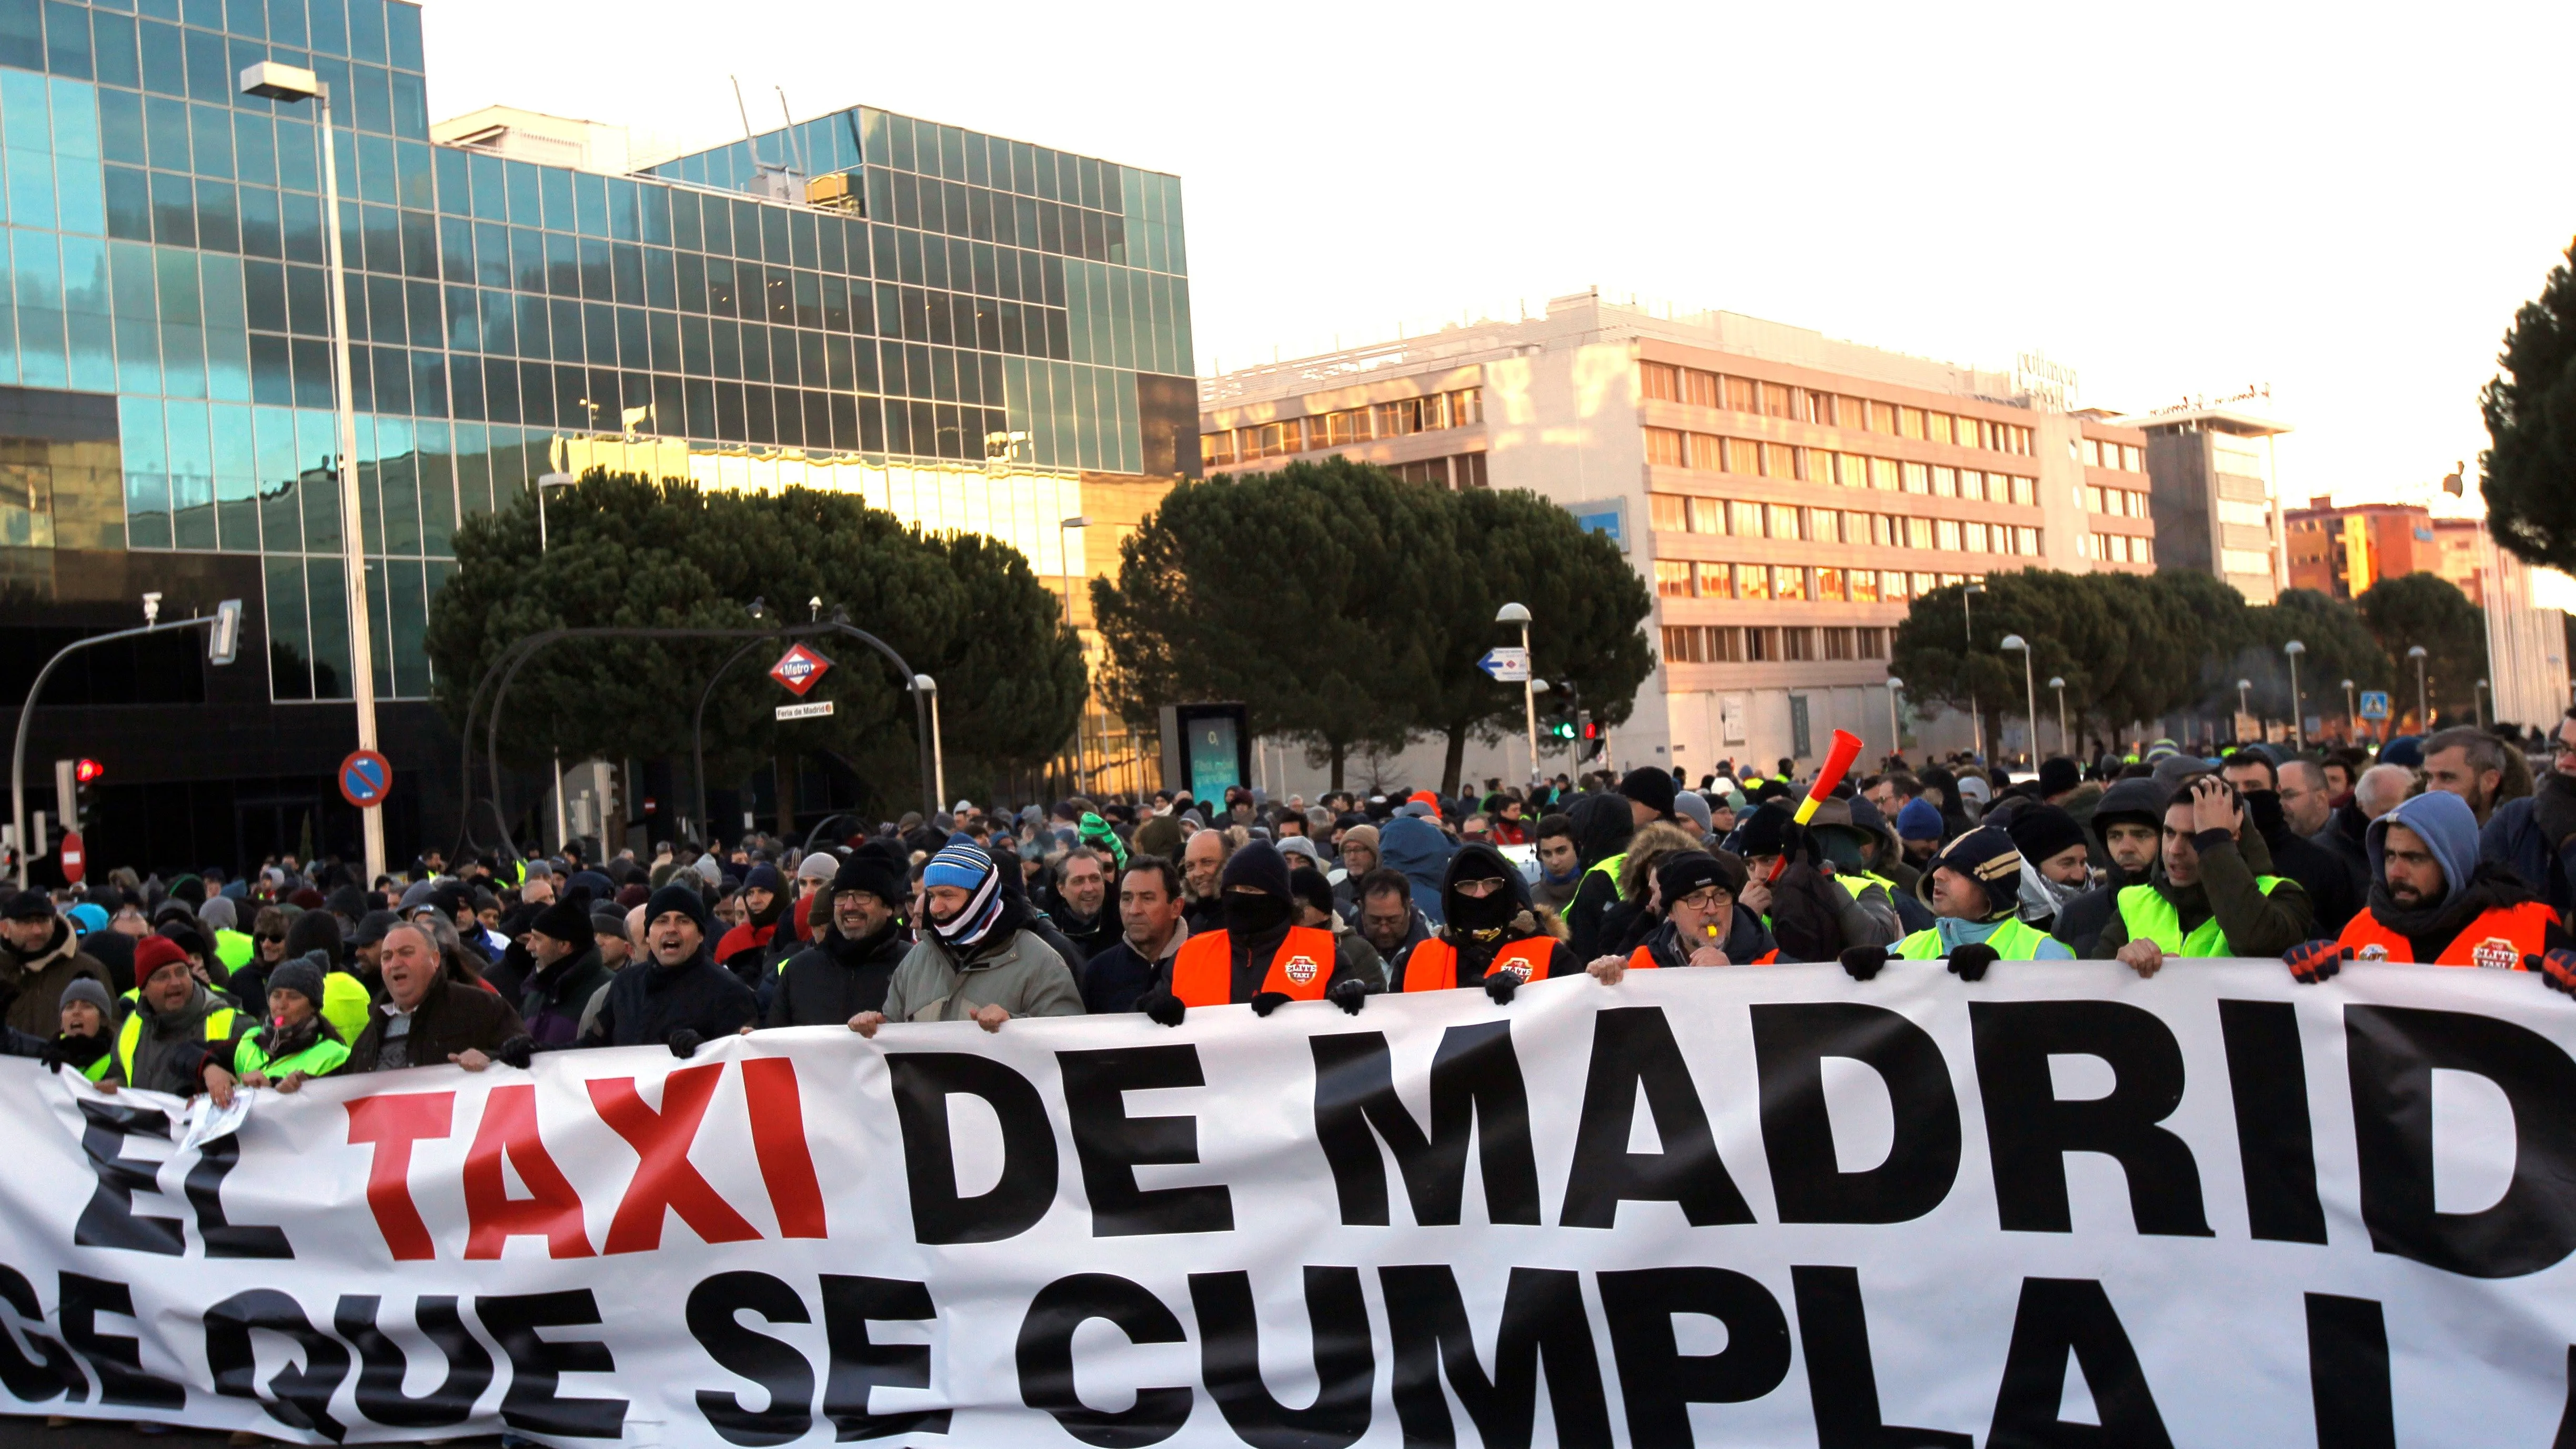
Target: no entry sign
x=798, y=668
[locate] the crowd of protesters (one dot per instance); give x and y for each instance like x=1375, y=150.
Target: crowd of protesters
x=2454, y=848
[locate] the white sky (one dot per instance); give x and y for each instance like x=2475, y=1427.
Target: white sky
x=2344, y=203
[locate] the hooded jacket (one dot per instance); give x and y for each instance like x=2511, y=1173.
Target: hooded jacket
x=171, y=1049
x=2471, y=885
x=2534, y=836
x=1013, y=968
x=2334, y=889
x=1417, y=849
x=39, y=976
x=1478, y=927
x=1603, y=826
x=2256, y=924
x=2080, y=921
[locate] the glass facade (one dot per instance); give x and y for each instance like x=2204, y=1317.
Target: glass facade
x=163, y=245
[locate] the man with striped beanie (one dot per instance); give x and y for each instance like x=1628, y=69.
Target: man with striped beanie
x=978, y=960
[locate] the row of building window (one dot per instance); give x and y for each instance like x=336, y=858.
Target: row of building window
x=365, y=30
x=1710, y=453
x=2124, y=457
x=2117, y=502
x=2123, y=548
x=1675, y=513
x=1665, y=382
x=1796, y=583
x=1458, y=470
x=1401, y=418
x=1764, y=644
x=377, y=91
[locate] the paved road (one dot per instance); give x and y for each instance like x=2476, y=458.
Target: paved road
x=23, y=1433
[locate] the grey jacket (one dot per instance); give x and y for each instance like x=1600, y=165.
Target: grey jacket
x=1024, y=977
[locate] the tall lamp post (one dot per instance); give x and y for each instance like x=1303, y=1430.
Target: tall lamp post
x=544, y=482
x=928, y=688
x=1064, y=556
x=2479, y=698
x=2242, y=707
x=1968, y=615
x=1895, y=738
x=2298, y=712
x=271, y=80
x=2065, y=741
x=2030, y=692
x=2423, y=716
x=2351, y=725
x=1519, y=614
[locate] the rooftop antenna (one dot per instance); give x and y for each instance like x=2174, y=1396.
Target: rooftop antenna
x=745, y=113
x=795, y=151
x=773, y=181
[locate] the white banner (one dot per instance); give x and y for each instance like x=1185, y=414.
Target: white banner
x=1760, y=1206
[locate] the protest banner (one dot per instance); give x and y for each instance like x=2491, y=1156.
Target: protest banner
x=1749, y=1206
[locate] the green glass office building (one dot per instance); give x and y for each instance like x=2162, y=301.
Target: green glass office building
x=946, y=305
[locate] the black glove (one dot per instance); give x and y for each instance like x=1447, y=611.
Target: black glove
x=1164, y=1007
x=2313, y=961
x=52, y=1056
x=1498, y=984
x=2557, y=968
x=1268, y=1002
x=1350, y=996
x=1865, y=962
x=519, y=1051
x=1969, y=962
x=684, y=1043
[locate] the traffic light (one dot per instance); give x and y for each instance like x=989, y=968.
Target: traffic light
x=86, y=775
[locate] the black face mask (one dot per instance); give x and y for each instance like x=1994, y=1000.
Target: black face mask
x=2263, y=807
x=1250, y=914
x=1481, y=913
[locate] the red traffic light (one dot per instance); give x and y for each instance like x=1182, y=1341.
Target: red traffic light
x=87, y=772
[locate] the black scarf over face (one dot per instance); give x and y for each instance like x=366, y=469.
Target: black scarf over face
x=1481, y=920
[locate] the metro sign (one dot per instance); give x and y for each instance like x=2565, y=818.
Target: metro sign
x=798, y=668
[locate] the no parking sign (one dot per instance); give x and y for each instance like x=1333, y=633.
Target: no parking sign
x=365, y=779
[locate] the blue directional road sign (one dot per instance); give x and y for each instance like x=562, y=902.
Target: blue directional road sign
x=2374, y=704
x=1507, y=665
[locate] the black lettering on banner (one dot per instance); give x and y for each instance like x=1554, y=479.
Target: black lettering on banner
x=2348, y=1373
x=777, y=1367
x=109, y=1221
x=2267, y=1075
x=923, y=1082
x=1543, y=1324
x=382, y=1366
x=115, y=1358
x=850, y=1304
x=1842, y=1383
x=2058, y=1314
x=205, y=1188
x=299, y=1396
x=2029, y=1131
x=1790, y=1043
x=537, y=1365
x=2566, y=1436
x=1112, y=1145
x=1657, y=1382
x=1044, y=1356
x=1475, y=1084
x=1633, y=1045
x=27, y=1380
x=2391, y=1053
x=1345, y=1361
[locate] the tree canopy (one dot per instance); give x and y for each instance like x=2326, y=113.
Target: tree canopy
x=2529, y=465
x=1346, y=609
x=2130, y=647
x=2429, y=610
x=627, y=551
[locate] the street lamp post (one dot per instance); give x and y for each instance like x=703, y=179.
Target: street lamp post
x=274, y=81
x=2030, y=692
x=1895, y=738
x=2480, y=701
x=2065, y=741
x=544, y=482
x=2351, y=727
x=2423, y=716
x=1064, y=556
x=1968, y=616
x=2243, y=708
x=1518, y=614
x=928, y=689
x=2298, y=713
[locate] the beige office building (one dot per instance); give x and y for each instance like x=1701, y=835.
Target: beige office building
x=1784, y=494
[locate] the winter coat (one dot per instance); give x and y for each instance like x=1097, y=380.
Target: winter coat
x=171, y=1049
x=1119, y=976
x=454, y=1016
x=1418, y=850
x=647, y=1001
x=552, y=1004
x=2256, y=924
x=2533, y=836
x=38, y=977
x=836, y=978
x=1020, y=973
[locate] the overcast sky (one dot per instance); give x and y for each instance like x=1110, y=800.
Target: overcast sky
x=2344, y=204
